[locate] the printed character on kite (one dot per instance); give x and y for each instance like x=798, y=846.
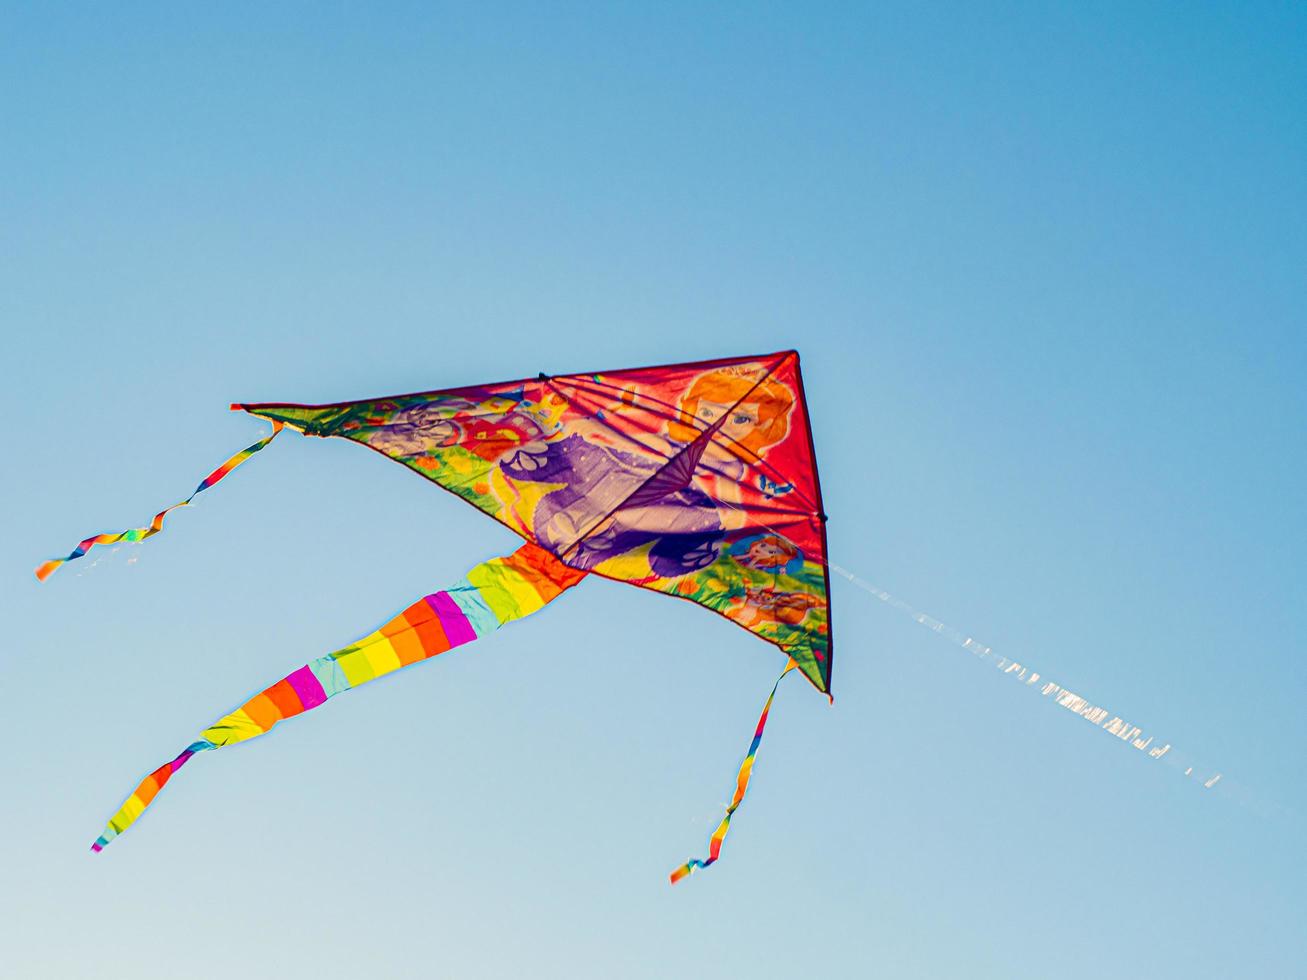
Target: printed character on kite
x=695, y=480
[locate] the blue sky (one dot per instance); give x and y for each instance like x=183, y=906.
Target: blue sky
x=1044, y=266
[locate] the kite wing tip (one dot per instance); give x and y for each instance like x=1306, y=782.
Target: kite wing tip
x=45, y=570
x=97, y=847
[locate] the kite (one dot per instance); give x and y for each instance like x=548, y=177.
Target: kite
x=694, y=480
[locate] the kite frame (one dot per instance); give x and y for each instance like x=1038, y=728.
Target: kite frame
x=779, y=358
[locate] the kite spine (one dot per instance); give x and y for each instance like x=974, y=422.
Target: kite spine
x=492, y=594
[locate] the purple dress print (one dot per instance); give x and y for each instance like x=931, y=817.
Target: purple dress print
x=682, y=526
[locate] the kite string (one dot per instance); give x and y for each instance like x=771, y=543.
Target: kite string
x=1097, y=715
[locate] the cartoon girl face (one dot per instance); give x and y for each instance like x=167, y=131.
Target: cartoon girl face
x=740, y=424
x=750, y=425
x=767, y=553
x=770, y=552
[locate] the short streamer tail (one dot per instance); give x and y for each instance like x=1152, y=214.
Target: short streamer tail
x=741, y=787
x=47, y=568
x=492, y=594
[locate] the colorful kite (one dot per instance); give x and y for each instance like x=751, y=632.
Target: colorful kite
x=695, y=480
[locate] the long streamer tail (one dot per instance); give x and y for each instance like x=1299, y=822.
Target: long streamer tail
x=741, y=787
x=47, y=568
x=493, y=593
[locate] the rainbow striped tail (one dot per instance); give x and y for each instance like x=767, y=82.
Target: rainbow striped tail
x=741, y=787
x=145, y=794
x=493, y=593
x=47, y=568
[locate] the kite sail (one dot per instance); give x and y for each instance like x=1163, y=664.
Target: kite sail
x=694, y=480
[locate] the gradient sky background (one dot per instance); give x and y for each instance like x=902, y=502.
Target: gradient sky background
x=1045, y=269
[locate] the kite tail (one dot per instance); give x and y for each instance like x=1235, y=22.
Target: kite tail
x=493, y=593
x=741, y=787
x=46, y=569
